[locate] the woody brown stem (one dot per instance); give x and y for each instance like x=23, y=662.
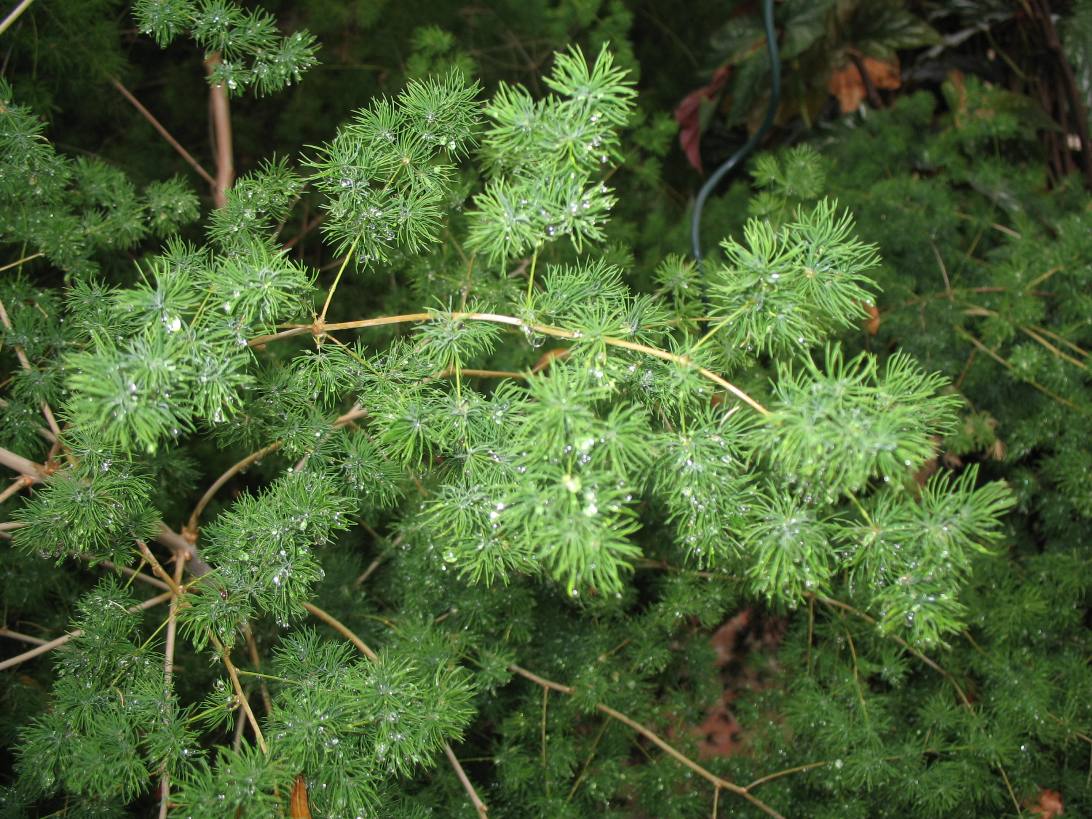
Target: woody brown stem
x=656, y=740
x=220, y=114
x=181, y=545
x=16, y=486
x=11, y=662
x=17, y=463
x=163, y=132
x=168, y=673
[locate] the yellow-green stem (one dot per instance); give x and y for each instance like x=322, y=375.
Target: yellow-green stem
x=717, y=328
x=531, y=275
x=337, y=278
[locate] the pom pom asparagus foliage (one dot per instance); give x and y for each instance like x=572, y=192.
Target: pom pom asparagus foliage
x=503, y=491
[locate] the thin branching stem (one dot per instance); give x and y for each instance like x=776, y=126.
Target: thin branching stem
x=545, y=767
x=168, y=674
x=531, y=276
x=20, y=353
x=1053, y=349
x=1008, y=366
x=588, y=760
x=195, y=517
x=720, y=325
x=229, y=473
x=11, y=662
x=240, y=695
x=468, y=786
x=177, y=590
x=319, y=328
x=1062, y=340
x=23, y=638
x=163, y=132
x=158, y=570
x=256, y=661
x=342, y=629
x=964, y=699
x=136, y=575
x=838, y=604
x=337, y=279
x=856, y=672
x=655, y=739
x=14, y=15
x=788, y=771
x=20, y=262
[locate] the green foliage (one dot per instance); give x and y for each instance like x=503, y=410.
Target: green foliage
x=67, y=209
x=793, y=286
x=114, y=721
x=834, y=431
x=239, y=780
x=546, y=159
x=385, y=175
x=250, y=50
x=95, y=510
x=263, y=552
x=387, y=439
x=972, y=252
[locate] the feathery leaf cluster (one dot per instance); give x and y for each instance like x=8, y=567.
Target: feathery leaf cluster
x=69, y=210
x=547, y=158
x=251, y=51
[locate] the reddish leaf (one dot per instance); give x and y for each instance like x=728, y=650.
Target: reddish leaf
x=1049, y=805
x=688, y=115
x=298, y=807
x=724, y=638
x=872, y=326
x=848, y=87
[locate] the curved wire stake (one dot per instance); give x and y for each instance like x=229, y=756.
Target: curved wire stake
x=730, y=163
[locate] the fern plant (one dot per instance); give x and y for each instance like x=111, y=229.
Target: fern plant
x=436, y=483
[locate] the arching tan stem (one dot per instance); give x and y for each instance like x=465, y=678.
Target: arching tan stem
x=655, y=739
x=320, y=328
x=235, y=469
x=11, y=662
x=14, y=15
